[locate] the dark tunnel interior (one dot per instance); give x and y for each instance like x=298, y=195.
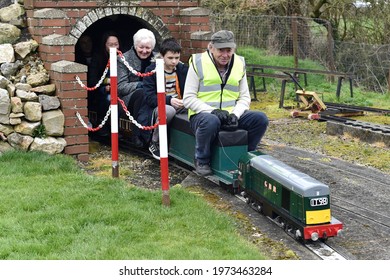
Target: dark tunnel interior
x=123, y=25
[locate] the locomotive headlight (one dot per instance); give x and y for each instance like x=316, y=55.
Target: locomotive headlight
x=314, y=236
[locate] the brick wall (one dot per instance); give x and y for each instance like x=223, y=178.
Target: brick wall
x=57, y=25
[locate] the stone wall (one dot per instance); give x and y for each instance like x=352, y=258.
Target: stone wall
x=30, y=113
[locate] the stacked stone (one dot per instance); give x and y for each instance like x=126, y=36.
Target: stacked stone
x=30, y=113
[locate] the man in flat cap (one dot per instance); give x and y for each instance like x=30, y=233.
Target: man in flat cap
x=217, y=97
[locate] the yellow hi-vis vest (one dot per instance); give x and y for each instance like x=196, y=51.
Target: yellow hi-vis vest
x=211, y=87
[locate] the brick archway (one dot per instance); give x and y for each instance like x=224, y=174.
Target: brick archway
x=124, y=20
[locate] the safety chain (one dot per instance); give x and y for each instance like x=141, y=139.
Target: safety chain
x=131, y=69
x=98, y=83
x=93, y=129
x=131, y=118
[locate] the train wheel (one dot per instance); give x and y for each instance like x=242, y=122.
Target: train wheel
x=280, y=221
x=324, y=237
x=256, y=207
x=294, y=114
x=297, y=234
x=247, y=198
x=313, y=116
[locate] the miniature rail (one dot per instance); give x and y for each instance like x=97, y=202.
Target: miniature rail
x=367, y=109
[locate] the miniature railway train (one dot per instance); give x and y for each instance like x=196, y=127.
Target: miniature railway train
x=297, y=202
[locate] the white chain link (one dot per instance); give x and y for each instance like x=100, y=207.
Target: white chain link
x=131, y=69
x=100, y=125
x=105, y=117
x=81, y=120
x=132, y=120
x=99, y=82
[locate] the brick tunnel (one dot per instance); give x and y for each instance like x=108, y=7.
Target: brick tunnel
x=58, y=25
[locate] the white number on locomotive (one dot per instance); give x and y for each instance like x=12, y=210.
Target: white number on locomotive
x=318, y=201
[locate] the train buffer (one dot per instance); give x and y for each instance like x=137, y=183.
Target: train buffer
x=310, y=105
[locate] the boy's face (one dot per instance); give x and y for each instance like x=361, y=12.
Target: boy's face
x=171, y=60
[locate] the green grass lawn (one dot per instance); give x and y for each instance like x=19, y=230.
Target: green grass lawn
x=51, y=209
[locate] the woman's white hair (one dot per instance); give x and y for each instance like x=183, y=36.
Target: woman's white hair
x=142, y=35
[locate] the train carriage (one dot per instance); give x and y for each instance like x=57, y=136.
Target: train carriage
x=228, y=148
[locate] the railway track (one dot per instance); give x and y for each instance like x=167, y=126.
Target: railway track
x=369, y=215
x=330, y=114
x=341, y=107
x=384, y=129
x=324, y=251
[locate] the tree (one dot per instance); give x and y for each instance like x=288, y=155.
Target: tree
x=368, y=23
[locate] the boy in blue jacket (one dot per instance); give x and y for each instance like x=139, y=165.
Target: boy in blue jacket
x=175, y=74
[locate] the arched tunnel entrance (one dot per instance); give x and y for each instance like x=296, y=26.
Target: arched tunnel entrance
x=124, y=27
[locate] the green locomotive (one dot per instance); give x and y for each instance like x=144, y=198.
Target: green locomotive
x=298, y=202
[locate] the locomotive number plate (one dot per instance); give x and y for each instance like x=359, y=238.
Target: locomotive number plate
x=320, y=201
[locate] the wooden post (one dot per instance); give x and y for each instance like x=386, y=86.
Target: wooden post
x=331, y=50
x=388, y=82
x=294, y=29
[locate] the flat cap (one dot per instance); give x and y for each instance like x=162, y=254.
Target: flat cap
x=223, y=39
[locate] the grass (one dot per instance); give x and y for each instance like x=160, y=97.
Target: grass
x=52, y=210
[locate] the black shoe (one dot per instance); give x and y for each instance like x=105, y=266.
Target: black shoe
x=202, y=169
x=136, y=142
x=154, y=149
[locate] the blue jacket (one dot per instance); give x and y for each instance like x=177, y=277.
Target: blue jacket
x=150, y=84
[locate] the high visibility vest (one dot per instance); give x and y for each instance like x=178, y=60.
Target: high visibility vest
x=211, y=87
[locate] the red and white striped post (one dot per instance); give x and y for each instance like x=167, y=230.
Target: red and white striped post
x=114, y=112
x=162, y=131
